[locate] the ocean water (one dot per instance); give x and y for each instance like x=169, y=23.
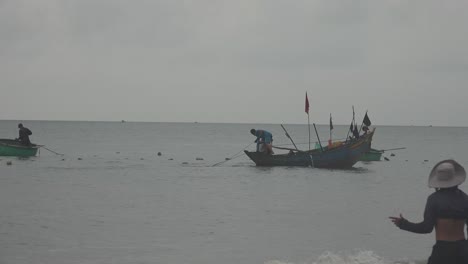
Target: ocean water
x=111, y=199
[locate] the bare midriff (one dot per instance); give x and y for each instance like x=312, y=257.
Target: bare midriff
x=450, y=229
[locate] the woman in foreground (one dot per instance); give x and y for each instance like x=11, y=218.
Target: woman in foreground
x=447, y=211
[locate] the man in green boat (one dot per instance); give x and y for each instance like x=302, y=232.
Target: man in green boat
x=264, y=139
x=24, y=134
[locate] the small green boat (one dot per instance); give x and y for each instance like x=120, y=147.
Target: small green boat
x=10, y=147
x=372, y=155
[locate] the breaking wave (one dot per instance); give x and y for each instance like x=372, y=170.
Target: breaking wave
x=361, y=257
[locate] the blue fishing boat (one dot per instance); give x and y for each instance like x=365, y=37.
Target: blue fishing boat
x=339, y=156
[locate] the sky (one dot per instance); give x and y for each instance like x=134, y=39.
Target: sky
x=243, y=61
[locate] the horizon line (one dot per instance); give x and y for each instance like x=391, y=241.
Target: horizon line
x=198, y=122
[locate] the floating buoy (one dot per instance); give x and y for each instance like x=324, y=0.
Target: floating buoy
x=385, y=158
x=227, y=158
x=171, y=159
x=392, y=155
x=63, y=159
x=9, y=163
x=159, y=154
x=141, y=158
x=79, y=158
x=199, y=158
x=426, y=160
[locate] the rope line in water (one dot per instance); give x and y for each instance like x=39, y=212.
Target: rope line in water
x=238, y=154
x=52, y=151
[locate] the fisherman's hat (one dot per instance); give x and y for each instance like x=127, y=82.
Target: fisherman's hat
x=446, y=174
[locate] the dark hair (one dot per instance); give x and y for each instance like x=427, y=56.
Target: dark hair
x=20, y=125
x=252, y=131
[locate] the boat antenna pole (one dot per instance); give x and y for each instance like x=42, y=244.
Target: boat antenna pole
x=311, y=160
x=352, y=122
x=307, y=111
x=318, y=138
x=289, y=137
x=308, y=122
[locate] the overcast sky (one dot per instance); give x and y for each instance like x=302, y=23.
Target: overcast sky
x=241, y=61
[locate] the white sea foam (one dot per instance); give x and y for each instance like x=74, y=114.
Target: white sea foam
x=360, y=257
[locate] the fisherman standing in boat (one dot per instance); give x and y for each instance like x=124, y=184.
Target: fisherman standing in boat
x=24, y=134
x=264, y=138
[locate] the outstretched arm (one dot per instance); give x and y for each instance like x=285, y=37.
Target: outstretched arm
x=420, y=228
x=397, y=219
x=426, y=226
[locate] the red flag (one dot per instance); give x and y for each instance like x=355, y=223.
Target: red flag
x=307, y=104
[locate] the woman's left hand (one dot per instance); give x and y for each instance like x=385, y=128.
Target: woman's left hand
x=397, y=220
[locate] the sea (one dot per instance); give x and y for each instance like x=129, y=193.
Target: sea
x=185, y=193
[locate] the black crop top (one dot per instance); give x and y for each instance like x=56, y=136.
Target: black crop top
x=451, y=203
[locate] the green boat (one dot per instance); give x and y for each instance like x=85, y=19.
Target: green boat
x=10, y=147
x=372, y=155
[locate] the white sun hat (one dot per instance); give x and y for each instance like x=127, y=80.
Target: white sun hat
x=446, y=174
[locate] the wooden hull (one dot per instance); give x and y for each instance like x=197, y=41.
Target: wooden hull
x=372, y=155
x=9, y=147
x=341, y=157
